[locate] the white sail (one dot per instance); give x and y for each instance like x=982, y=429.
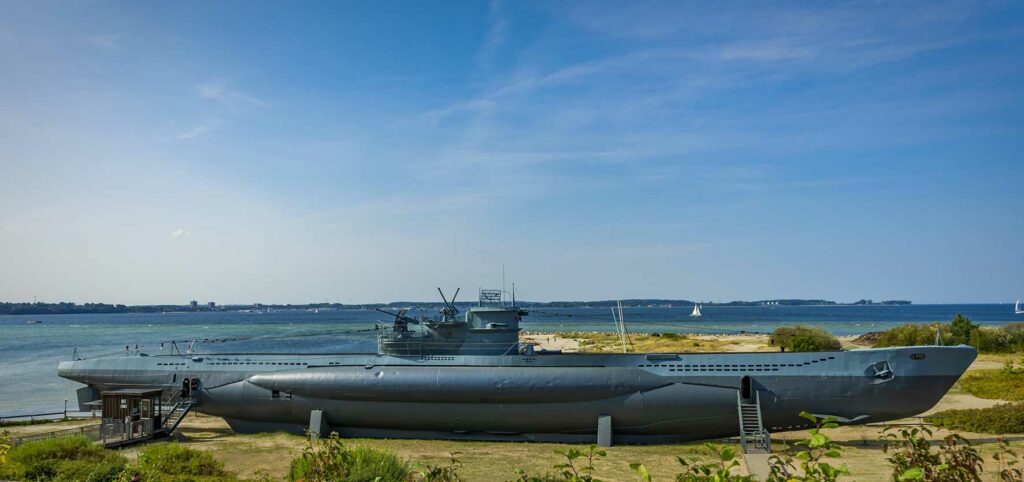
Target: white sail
x=696, y=310
x=1016, y=308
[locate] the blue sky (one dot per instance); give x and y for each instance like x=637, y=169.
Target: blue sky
x=370, y=151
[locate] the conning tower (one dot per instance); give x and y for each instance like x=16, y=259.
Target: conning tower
x=489, y=328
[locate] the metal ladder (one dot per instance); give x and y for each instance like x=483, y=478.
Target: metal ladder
x=177, y=413
x=754, y=438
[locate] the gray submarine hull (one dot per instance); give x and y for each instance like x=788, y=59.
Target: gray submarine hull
x=661, y=397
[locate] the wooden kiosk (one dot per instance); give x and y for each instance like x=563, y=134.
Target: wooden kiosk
x=131, y=415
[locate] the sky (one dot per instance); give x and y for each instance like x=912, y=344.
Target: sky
x=159, y=152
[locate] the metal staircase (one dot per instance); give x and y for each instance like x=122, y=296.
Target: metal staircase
x=754, y=439
x=176, y=414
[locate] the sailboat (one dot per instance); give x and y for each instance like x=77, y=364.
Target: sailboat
x=696, y=311
x=1017, y=310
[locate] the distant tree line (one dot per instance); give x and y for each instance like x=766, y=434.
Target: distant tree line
x=65, y=307
x=886, y=302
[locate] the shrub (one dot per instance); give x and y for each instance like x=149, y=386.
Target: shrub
x=442, y=473
x=1003, y=339
x=668, y=336
x=171, y=462
x=910, y=453
x=813, y=454
x=90, y=471
x=914, y=335
x=578, y=467
x=329, y=460
x=1004, y=384
x=720, y=468
x=1006, y=458
x=67, y=458
x=5, y=445
x=804, y=338
x=962, y=329
x=1003, y=418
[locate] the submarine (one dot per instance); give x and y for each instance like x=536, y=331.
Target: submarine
x=465, y=375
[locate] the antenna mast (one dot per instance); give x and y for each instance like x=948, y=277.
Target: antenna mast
x=620, y=325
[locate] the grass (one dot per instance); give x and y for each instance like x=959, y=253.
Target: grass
x=252, y=456
x=1002, y=384
x=663, y=342
x=79, y=459
x=68, y=458
x=26, y=423
x=802, y=338
x=175, y=462
x=1004, y=418
x=249, y=455
x=18, y=430
x=333, y=459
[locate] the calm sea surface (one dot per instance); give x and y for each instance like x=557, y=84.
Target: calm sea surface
x=29, y=353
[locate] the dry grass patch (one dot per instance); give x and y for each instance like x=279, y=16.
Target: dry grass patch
x=670, y=342
x=252, y=455
x=22, y=430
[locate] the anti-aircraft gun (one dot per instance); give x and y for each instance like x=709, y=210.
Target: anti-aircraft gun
x=490, y=328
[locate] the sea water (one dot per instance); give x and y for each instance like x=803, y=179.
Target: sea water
x=29, y=353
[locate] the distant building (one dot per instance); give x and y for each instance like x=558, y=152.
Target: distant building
x=258, y=306
x=211, y=305
x=193, y=304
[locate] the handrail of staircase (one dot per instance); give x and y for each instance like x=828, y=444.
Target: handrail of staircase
x=739, y=410
x=766, y=440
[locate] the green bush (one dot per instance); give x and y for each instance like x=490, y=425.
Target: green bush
x=68, y=458
x=1003, y=339
x=1003, y=418
x=804, y=338
x=1004, y=384
x=724, y=460
x=912, y=457
x=811, y=463
x=668, y=336
x=329, y=459
x=578, y=467
x=914, y=335
x=90, y=471
x=962, y=329
x=6, y=471
x=171, y=462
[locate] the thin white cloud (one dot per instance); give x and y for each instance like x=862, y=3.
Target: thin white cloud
x=497, y=32
x=105, y=42
x=766, y=52
x=219, y=92
x=180, y=233
x=200, y=130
